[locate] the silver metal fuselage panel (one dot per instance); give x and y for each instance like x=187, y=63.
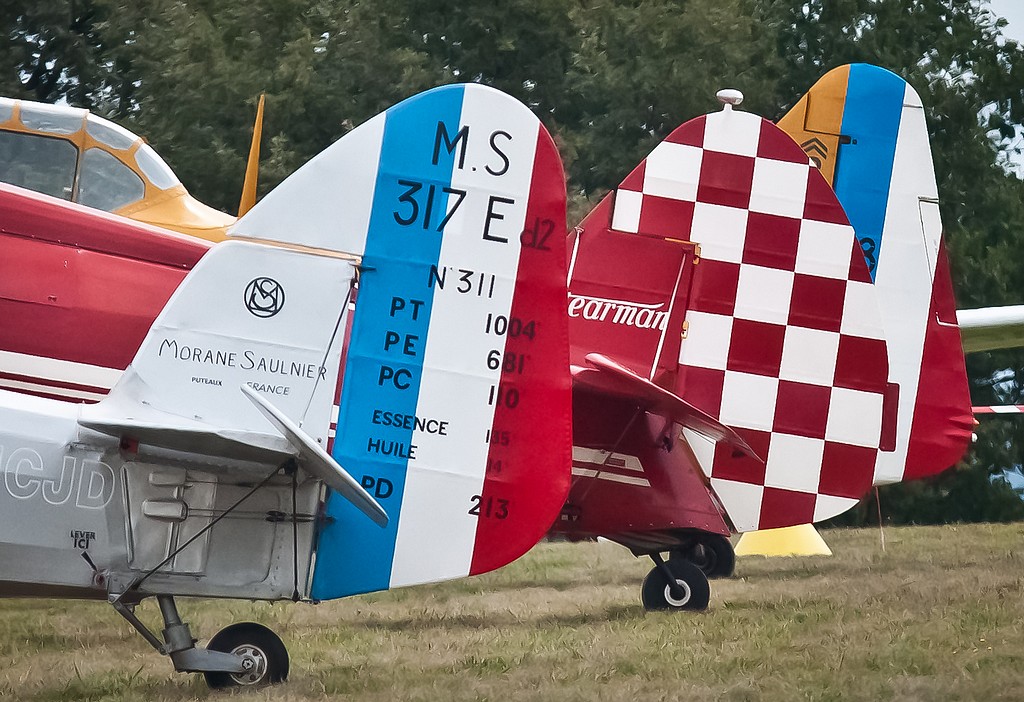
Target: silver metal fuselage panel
x=70, y=499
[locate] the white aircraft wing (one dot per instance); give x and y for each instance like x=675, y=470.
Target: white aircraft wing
x=990, y=328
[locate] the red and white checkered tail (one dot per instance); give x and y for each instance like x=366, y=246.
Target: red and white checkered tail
x=783, y=338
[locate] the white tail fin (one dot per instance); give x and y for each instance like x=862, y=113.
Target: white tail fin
x=454, y=408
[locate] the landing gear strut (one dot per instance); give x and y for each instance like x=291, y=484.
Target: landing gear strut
x=675, y=584
x=242, y=654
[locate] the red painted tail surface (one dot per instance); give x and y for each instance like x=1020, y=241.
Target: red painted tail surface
x=628, y=296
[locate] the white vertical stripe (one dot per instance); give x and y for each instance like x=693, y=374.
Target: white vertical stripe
x=436, y=534
x=903, y=280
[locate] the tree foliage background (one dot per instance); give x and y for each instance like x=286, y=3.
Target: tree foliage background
x=609, y=78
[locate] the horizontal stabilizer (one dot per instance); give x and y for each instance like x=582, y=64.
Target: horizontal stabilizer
x=193, y=437
x=613, y=378
x=991, y=328
x=317, y=461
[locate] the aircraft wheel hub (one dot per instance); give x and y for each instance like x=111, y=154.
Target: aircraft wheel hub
x=254, y=661
x=678, y=601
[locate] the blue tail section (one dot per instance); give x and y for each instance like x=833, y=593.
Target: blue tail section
x=389, y=333
x=874, y=102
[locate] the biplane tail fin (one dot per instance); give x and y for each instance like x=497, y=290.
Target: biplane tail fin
x=774, y=329
x=865, y=127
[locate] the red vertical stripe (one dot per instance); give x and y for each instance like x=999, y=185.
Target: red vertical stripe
x=943, y=422
x=524, y=489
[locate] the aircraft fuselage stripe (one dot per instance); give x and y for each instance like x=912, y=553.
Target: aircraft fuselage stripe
x=54, y=392
x=53, y=369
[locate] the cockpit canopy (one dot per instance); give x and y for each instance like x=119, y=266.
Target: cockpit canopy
x=70, y=153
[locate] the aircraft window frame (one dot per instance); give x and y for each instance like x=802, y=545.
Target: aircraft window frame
x=155, y=168
x=109, y=134
x=32, y=169
x=52, y=119
x=6, y=109
x=111, y=189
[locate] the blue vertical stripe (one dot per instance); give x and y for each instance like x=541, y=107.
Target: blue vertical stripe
x=389, y=333
x=871, y=118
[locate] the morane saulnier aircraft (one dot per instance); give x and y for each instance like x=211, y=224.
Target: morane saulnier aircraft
x=273, y=437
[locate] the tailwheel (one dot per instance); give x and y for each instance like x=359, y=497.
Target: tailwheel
x=263, y=655
x=687, y=589
x=712, y=553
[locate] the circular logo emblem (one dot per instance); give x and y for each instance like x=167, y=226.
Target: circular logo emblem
x=264, y=297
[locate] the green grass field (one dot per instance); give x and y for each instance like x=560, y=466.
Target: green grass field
x=938, y=615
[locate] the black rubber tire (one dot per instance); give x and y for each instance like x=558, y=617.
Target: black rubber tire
x=259, y=641
x=655, y=594
x=712, y=553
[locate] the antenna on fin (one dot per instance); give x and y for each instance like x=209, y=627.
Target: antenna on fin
x=730, y=97
x=252, y=166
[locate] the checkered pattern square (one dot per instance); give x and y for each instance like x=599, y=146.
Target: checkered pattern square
x=658, y=210
x=771, y=241
x=785, y=342
x=854, y=462
x=723, y=229
x=718, y=174
x=802, y=409
x=785, y=449
x=756, y=347
x=742, y=468
x=720, y=280
x=817, y=303
x=764, y=294
x=809, y=356
x=706, y=383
